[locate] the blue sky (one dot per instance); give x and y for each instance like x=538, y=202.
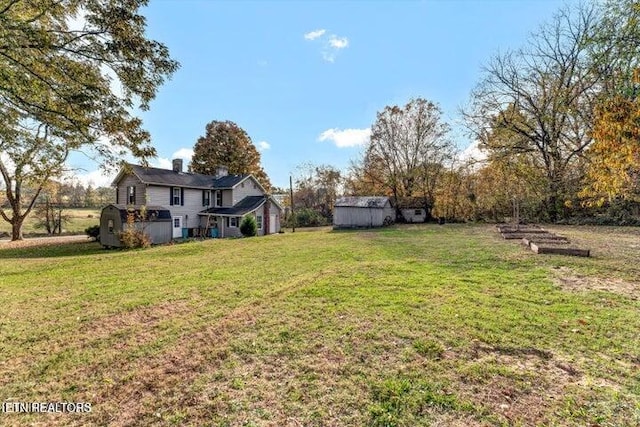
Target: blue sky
x=306, y=78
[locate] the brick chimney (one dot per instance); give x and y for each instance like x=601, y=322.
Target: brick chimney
x=177, y=165
x=221, y=171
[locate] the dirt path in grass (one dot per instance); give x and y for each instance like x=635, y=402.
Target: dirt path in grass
x=43, y=241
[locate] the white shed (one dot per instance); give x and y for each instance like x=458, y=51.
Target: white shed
x=363, y=212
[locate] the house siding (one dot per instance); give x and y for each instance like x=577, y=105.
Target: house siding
x=192, y=203
x=250, y=188
x=231, y=231
x=131, y=181
x=227, y=198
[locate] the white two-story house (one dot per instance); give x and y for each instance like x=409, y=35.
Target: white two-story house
x=196, y=204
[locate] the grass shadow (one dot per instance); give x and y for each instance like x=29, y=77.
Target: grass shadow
x=52, y=251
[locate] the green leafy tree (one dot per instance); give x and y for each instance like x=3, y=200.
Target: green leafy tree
x=226, y=143
x=59, y=63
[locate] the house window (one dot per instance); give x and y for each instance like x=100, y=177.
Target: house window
x=176, y=222
x=418, y=212
x=233, y=221
x=110, y=226
x=259, y=221
x=131, y=195
x=218, y=198
x=206, y=197
x=176, y=196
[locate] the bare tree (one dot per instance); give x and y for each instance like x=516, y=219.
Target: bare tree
x=543, y=95
x=408, y=148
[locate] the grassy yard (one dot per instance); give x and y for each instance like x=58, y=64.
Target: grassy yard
x=79, y=220
x=405, y=326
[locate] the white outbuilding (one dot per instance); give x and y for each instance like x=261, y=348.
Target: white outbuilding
x=363, y=212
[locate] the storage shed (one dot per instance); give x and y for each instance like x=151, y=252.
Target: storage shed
x=362, y=212
x=156, y=223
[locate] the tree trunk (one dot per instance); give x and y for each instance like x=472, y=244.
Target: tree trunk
x=16, y=228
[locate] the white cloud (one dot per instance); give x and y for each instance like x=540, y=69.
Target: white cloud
x=183, y=153
x=331, y=43
x=473, y=154
x=263, y=145
x=312, y=35
x=338, y=42
x=96, y=178
x=161, y=162
x=346, y=137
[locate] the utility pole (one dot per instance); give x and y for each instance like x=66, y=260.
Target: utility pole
x=293, y=216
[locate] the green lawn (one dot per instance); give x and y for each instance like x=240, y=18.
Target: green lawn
x=79, y=220
x=405, y=326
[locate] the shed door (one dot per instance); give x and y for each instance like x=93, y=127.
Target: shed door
x=272, y=223
x=177, y=226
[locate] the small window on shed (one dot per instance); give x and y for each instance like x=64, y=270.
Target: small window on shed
x=418, y=212
x=110, y=226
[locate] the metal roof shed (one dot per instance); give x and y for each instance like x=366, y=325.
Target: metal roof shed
x=362, y=212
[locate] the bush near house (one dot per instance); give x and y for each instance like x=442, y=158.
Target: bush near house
x=249, y=226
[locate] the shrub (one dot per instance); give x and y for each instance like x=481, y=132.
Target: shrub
x=133, y=237
x=249, y=226
x=93, y=232
x=306, y=217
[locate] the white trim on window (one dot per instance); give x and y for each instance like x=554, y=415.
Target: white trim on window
x=131, y=195
x=259, y=221
x=176, y=195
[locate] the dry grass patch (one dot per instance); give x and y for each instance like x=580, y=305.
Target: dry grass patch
x=570, y=281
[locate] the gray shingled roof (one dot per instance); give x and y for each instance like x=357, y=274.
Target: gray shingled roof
x=362, y=202
x=244, y=206
x=149, y=175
